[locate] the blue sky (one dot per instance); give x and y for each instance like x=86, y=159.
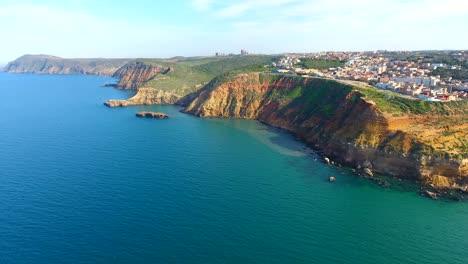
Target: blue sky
x=85, y=28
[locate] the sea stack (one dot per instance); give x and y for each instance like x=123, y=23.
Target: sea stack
x=156, y=115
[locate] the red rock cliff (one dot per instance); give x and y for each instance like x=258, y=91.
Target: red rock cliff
x=336, y=119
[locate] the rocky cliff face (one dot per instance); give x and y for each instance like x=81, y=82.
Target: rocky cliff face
x=46, y=64
x=146, y=96
x=336, y=119
x=134, y=75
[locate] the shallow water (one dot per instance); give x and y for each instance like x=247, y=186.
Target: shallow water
x=83, y=183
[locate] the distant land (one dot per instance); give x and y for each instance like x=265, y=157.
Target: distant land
x=47, y=64
x=348, y=121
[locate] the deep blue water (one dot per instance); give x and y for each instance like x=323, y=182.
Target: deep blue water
x=83, y=183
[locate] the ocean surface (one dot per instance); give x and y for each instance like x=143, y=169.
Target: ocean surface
x=83, y=183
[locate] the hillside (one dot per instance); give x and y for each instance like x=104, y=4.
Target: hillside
x=46, y=64
x=167, y=81
x=354, y=125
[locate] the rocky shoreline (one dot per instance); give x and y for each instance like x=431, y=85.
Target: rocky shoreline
x=348, y=124
x=354, y=132
x=431, y=191
x=365, y=171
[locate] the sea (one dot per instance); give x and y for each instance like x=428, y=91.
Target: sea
x=84, y=183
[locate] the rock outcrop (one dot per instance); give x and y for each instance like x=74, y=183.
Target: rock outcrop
x=116, y=103
x=134, y=75
x=45, y=64
x=156, y=115
x=338, y=120
x=146, y=96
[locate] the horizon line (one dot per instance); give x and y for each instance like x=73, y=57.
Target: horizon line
x=233, y=54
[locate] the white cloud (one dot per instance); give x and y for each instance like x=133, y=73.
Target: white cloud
x=281, y=9
x=310, y=25
x=202, y=4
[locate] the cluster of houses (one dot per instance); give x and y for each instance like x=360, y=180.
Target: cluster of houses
x=286, y=62
x=407, y=77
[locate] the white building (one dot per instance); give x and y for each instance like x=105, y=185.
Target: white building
x=426, y=81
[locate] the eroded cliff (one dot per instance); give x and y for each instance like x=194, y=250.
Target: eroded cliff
x=134, y=75
x=345, y=124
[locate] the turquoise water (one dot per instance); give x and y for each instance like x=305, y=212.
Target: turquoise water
x=83, y=183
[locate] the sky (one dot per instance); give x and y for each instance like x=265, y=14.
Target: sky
x=160, y=29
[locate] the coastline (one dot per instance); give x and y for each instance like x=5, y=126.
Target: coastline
x=334, y=151
x=380, y=179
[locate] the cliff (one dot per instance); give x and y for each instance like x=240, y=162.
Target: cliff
x=134, y=75
x=146, y=96
x=357, y=126
x=166, y=81
x=46, y=64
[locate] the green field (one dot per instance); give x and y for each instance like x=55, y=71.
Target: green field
x=319, y=64
x=189, y=74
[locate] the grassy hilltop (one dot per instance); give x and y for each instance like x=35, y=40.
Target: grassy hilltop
x=189, y=74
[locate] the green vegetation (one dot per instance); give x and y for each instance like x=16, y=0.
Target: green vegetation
x=429, y=57
x=189, y=74
x=324, y=95
x=319, y=64
x=237, y=63
x=318, y=96
x=390, y=102
x=295, y=92
x=446, y=57
x=455, y=74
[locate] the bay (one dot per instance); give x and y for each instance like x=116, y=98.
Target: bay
x=83, y=183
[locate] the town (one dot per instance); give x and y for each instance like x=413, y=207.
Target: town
x=429, y=75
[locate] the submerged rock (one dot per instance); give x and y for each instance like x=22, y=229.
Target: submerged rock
x=384, y=183
x=157, y=115
x=430, y=194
